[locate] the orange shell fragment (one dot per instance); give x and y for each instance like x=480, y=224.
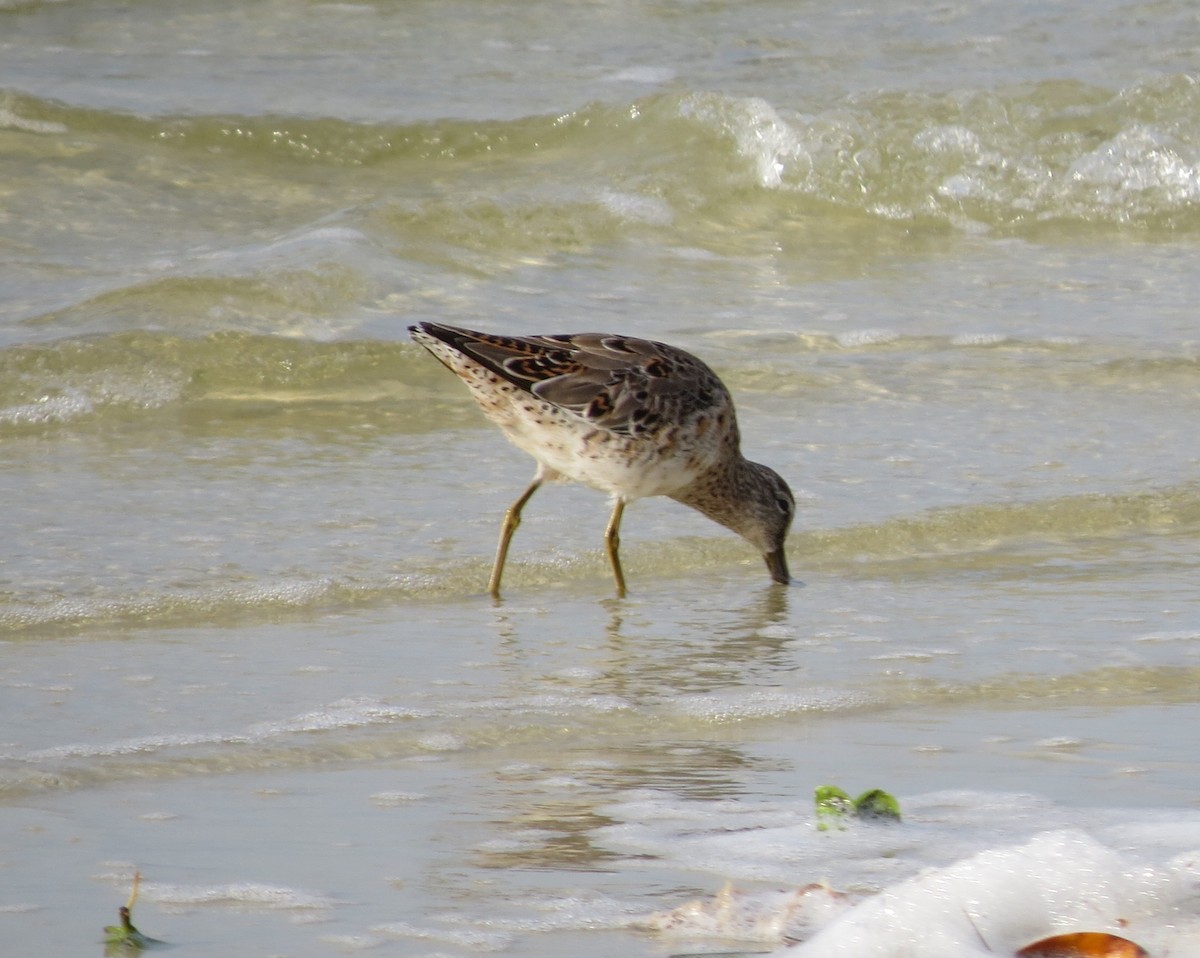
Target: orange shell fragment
x=1084, y=944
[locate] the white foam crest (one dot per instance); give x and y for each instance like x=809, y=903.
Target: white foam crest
x=638, y=209
x=396, y=799
x=567, y=704
x=236, y=894
x=63, y=407
x=561, y=704
x=441, y=742
x=974, y=170
x=1158, y=638
x=857, y=338
x=13, y=121
x=301, y=243
x=343, y=714
x=761, y=134
x=346, y=713
x=950, y=140
x=283, y=593
x=1138, y=161
x=978, y=339
x=642, y=74
x=721, y=707
x=132, y=746
x=69, y=402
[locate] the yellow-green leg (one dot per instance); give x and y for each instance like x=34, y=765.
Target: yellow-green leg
x=612, y=545
x=512, y=519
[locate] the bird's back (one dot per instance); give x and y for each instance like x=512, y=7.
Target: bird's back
x=629, y=416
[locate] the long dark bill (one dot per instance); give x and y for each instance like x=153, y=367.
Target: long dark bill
x=777, y=566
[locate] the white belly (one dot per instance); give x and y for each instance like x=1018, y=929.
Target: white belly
x=626, y=467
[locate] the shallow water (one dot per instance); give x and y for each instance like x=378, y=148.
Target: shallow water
x=944, y=259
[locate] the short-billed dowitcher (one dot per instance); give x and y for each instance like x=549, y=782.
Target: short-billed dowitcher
x=630, y=417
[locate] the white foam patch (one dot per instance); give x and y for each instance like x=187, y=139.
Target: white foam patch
x=352, y=943
x=759, y=917
x=1003, y=899
x=69, y=401
x=474, y=940
x=566, y=910
x=962, y=869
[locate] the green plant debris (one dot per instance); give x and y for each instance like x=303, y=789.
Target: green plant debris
x=835, y=807
x=125, y=938
x=877, y=804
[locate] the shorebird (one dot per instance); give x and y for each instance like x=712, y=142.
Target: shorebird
x=627, y=416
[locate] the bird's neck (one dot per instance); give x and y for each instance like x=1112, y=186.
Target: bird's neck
x=720, y=492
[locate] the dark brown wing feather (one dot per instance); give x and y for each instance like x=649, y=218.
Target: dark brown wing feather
x=619, y=383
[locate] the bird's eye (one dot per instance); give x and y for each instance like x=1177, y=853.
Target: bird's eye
x=784, y=506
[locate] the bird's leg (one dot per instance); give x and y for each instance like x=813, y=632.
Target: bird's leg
x=512, y=519
x=612, y=543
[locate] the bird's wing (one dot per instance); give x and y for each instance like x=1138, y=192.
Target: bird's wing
x=619, y=383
